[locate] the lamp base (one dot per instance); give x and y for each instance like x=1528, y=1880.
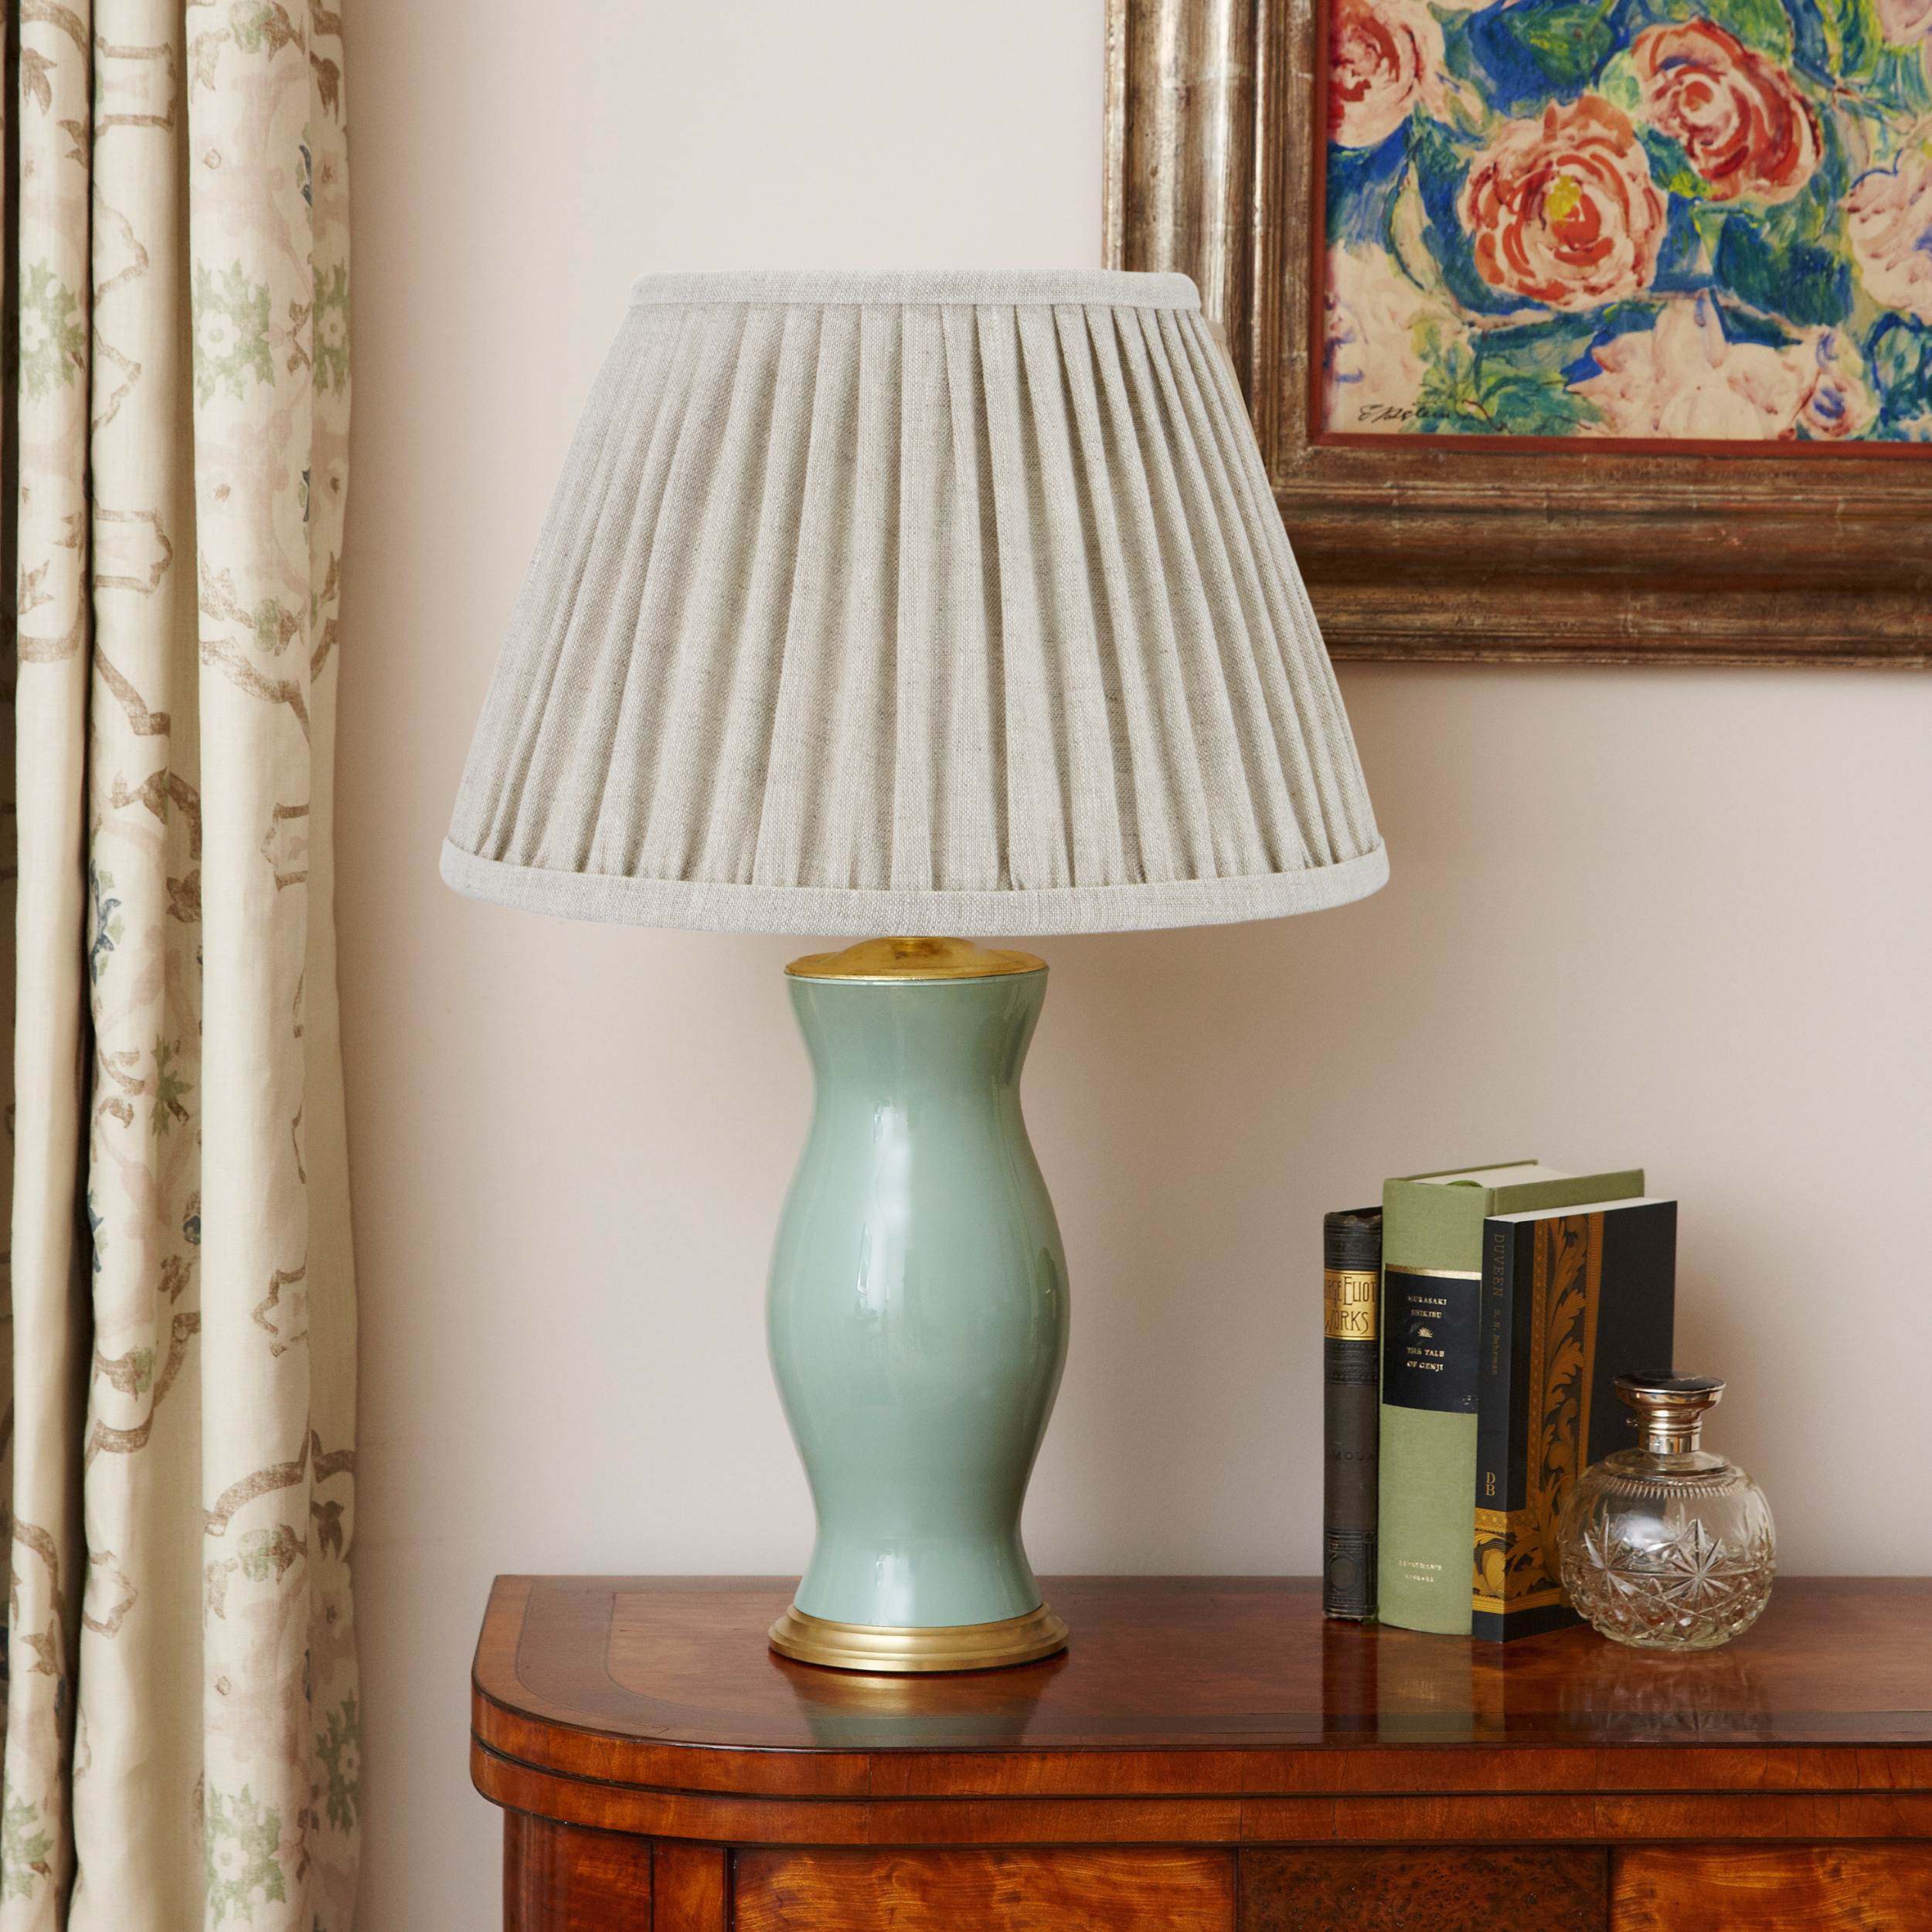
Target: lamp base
x=901, y=1648
x=917, y=1310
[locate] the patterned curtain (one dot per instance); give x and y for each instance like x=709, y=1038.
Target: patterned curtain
x=181, y=1724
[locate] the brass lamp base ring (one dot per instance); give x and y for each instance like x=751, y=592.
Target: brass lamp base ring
x=898, y=1647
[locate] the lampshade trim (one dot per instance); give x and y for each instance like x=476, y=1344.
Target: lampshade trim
x=698, y=905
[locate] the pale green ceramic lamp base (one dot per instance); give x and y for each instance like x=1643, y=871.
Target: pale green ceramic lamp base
x=918, y=1312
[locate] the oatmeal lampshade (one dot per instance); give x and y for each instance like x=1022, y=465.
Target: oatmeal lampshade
x=905, y=602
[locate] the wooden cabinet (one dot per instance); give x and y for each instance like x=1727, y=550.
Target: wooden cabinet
x=1209, y=1754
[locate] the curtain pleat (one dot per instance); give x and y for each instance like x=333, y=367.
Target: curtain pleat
x=49, y=1268
x=183, y=1736
x=144, y=1165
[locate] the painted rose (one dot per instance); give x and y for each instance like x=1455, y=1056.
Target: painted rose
x=1563, y=210
x=1685, y=378
x=1381, y=336
x=1889, y=221
x=1904, y=21
x=1384, y=56
x=1746, y=128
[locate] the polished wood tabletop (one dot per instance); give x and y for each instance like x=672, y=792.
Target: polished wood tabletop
x=667, y=1681
x=1206, y=1663
x=1209, y=1712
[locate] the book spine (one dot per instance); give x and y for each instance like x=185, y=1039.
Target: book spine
x=1503, y=1427
x=1431, y=1239
x=1351, y=1410
x=1430, y=1318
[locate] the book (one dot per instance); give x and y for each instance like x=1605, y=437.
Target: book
x=1572, y=1298
x=1431, y=1296
x=1351, y=1420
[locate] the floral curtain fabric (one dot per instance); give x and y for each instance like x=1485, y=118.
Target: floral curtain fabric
x=181, y=1739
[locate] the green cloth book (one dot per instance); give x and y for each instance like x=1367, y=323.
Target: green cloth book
x=1431, y=1326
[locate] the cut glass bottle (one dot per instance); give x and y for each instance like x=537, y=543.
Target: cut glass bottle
x=1667, y=1547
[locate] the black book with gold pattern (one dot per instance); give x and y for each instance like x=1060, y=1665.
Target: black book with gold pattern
x=1572, y=1298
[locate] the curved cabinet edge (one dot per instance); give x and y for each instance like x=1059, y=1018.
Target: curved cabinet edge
x=572, y=1748
x=655, y=1812
x=738, y=1818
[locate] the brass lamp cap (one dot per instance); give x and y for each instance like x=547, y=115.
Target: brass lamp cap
x=890, y=959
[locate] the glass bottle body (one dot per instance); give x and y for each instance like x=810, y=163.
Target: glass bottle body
x=1668, y=1551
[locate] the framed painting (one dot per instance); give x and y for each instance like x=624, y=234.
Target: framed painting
x=1595, y=331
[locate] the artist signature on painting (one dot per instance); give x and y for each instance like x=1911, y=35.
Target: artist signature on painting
x=1387, y=413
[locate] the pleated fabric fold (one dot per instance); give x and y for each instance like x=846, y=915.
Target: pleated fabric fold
x=914, y=602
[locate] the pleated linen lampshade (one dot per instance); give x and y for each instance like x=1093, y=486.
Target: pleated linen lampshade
x=915, y=605
x=914, y=602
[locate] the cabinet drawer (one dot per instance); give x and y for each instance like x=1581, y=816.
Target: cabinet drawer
x=1425, y=1888
x=1062, y=1890
x=1773, y=1888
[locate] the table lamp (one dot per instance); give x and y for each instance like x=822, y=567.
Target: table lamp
x=922, y=602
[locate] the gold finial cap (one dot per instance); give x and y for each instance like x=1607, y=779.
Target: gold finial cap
x=914, y=959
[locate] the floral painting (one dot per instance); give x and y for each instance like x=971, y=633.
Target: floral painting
x=1639, y=219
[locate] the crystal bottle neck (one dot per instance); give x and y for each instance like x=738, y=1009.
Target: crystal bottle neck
x=1672, y=1433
